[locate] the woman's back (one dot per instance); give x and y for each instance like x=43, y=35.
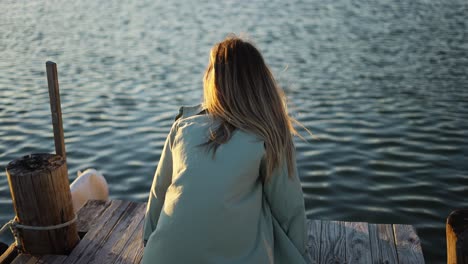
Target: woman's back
x=226, y=188
x=213, y=207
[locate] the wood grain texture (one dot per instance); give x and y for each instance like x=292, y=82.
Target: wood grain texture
x=24, y=259
x=133, y=251
x=117, y=239
x=407, y=244
x=357, y=243
x=314, y=228
x=88, y=214
x=55, y=108
x=41, y=196
x=333, y=242
x=95, y=238
x=115, y=236
x=51, y=259
x=382, y=244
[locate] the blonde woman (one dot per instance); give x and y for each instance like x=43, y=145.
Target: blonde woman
x=226, y=188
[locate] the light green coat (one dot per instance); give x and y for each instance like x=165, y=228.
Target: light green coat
x=205, y=210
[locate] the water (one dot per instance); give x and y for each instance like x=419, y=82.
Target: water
x=383, y=86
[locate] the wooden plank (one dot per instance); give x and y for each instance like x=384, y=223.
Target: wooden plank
x=91, y=242
x=33, y=260
x=24, y=259
x=88, y=214
x=357, y=243
x=51, y=259
x=115, y=230
x=374, y=240
x=333, y=242
x=133, y=251
x=408, y=244
x=55, y=108
x=119, y=236
x=314, y=228
x=382, y=243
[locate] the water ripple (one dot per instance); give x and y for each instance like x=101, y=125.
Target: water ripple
x=381, y=85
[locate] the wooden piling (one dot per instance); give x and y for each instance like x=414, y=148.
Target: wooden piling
x=41, y=198
x=457, y=237
x=45, y=221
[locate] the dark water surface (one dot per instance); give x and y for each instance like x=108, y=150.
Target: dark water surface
x=384, y=86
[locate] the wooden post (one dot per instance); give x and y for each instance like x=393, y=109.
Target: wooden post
x=41, y=198
x=54, y=94
x=457, y=237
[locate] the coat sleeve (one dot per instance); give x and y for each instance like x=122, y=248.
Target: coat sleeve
x=161, y=181
x=286, y=200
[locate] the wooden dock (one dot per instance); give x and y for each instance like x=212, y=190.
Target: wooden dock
x=111, y=232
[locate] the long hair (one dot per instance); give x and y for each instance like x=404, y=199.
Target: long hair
x=241, y=91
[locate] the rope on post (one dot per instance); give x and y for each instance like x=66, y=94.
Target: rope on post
x=15, y=225
x=14, y=231
x=5, y=226
x=42, y=228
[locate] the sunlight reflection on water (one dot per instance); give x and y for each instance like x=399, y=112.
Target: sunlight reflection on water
x=382, y=86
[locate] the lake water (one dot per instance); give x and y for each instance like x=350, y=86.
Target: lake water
x=382, y=85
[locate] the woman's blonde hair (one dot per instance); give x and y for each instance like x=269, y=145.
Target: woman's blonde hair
x=241, y=91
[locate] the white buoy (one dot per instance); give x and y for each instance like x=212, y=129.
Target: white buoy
x=90, y=185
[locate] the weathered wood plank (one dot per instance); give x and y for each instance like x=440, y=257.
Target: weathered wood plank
x=119, y=236
x=133, y=251
x=314, y=228
x=115, y=229
x=24, y=259
x=88, y=214
x=51, y=259
x=357, y=243
x=374, y=240
x=55, y=108
x=33, y=260
x=408, y=244
x=333, y=242
x=382, y=243
x=92, y=241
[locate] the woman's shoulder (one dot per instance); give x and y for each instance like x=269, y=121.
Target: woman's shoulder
x=192, y=117
x=188, y=111
x=187, y=116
